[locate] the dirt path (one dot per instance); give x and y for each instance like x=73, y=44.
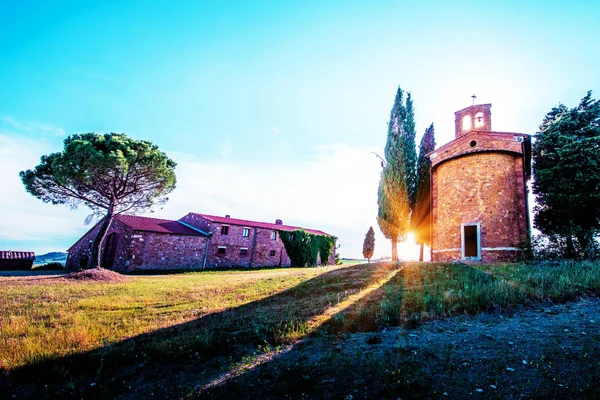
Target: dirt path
x=549, y=351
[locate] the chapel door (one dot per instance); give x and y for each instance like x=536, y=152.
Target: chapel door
x=471, y=243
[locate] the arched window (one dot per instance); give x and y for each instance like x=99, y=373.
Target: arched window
x=466, y=123
x=479, y=120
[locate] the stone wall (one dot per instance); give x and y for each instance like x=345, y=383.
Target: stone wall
x=485, y=188
x=157, y=251
x=81, y=252
x=260, y=249
x=139, y=250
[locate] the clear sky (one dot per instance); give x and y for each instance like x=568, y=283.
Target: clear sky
x=271, y=109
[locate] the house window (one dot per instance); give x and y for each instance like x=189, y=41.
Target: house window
x=221, y=250
x=272, y=253
x=246, y=232
x=243, y=251
x=273, y=235
x=225, y=230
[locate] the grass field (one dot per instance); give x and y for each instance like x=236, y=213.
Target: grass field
x=70, y=333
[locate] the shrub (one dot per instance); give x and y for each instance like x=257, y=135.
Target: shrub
x=52, y=266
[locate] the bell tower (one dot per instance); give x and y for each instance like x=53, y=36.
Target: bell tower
x=477, y=117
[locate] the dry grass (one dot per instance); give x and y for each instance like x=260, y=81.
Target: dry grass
x=76, y=328
x=49, y=318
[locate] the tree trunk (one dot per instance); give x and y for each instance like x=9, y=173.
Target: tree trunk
x=570, y=253
x=421, y=252
x=99, y=240
x=587, y=245
x=394, y=249
x=570, y=246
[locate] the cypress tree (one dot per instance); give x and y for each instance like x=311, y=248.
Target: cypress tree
x=421, y=217
x=369, y=244
x=410, y=151
x=393, y=215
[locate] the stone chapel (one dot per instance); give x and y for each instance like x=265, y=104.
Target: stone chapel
x=479, y=206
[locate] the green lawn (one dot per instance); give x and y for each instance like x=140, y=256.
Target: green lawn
x=63, y=329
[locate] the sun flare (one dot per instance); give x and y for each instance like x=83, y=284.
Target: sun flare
x=408, y=250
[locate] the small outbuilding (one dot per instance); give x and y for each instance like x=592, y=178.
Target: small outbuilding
x=16, y=260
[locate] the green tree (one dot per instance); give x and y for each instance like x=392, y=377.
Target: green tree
x=110, y=173
x=421, y=215
x=393, y=216
x=369, y=244
x=566, y=171
x=410, y=151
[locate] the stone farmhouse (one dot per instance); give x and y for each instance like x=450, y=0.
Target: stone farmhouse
x=16, y=260
x=195, y=241
x=479, y=209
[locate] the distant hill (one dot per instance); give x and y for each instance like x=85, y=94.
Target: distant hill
x=54, y=256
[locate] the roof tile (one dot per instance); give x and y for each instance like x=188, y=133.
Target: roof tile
x=157, y=225
x=17, y=255
x=252, y=224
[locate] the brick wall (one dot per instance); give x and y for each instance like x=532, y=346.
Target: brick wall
x=488, y=188
x=472, y=111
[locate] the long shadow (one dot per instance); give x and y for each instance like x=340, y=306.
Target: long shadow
x=194, y=352
x=414, y=294
x=188, y=351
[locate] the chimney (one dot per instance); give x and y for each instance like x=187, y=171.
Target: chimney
x=227, y=216
x=278, y=222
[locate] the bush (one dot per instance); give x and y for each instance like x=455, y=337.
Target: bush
x=338, y=261
x=52, y=266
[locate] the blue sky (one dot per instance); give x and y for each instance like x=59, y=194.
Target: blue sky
x=271, y=109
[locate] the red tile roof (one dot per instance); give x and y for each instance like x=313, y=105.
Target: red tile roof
x=252, y=224
x=17, y=255
x=157, y=225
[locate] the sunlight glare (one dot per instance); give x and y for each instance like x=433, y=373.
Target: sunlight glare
x=408, y=250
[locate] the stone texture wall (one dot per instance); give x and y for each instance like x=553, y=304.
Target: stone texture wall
x=258, y=245
x=157, y=251
x=139, y=250
x=81, y=252
x=484, y=187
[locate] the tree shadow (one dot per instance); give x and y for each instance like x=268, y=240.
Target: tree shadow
x=414, y=294
x=359, y=298
x=191, y=350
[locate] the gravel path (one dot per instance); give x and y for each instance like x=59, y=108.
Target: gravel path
x=545, y=351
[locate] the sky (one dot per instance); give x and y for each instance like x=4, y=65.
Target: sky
x=272, y=110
